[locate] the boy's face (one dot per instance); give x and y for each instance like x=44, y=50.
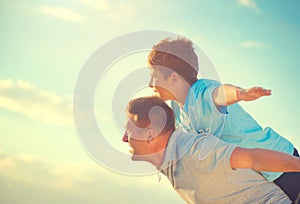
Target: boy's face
x=161, y=86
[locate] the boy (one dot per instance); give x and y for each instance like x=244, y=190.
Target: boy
x=207, y=106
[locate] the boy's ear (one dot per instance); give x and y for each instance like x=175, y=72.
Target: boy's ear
x=174, y=77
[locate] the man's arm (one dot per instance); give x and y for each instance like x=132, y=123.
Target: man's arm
x=264, y=160
x=228, y=94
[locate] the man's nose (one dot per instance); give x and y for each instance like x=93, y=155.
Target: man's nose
x=125, y=138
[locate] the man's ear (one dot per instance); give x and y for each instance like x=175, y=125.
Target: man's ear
x=150, y=136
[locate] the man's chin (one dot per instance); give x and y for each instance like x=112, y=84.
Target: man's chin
x=135, y=158
x=138, y=158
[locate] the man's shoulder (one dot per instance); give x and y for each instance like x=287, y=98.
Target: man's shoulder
x=209, y=145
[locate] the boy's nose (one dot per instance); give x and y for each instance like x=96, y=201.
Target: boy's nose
x=150, y=84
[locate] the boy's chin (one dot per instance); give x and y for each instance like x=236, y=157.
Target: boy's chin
x=155, y=94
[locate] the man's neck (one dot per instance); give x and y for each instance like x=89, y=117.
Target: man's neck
x=160, y=150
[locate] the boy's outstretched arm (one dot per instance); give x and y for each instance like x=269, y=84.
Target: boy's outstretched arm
x=228, y=94
x=264, y=160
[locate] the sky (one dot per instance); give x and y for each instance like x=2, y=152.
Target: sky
x=46, y=44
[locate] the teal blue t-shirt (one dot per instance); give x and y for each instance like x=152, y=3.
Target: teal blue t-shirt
x=232, y=123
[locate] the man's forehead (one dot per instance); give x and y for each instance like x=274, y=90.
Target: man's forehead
x=130, y=124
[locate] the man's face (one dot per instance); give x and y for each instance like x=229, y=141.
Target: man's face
x=137, y=140
x=161, y=87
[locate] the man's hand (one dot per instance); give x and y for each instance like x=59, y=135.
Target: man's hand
x=252, y=93
x=264, y=160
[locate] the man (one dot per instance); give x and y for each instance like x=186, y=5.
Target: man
x=207, y=106
x=223, y=176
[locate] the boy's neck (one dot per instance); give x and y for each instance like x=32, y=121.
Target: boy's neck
x=182, y=94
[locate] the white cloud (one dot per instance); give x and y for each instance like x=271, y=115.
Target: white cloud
x=96, y=4
x=115, y=12
x=45, y=106
x=255, y=44
x=36, y=180
x=249, y=4
x=32, y=170
x=62, y=13
x=127, y=10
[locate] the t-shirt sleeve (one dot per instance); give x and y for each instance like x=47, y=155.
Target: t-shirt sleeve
x=215, y=150
x=208, y=88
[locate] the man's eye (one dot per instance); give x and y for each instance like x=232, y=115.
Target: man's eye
x=128, y=133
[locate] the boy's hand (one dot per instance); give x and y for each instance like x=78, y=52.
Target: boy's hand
x=252, y=93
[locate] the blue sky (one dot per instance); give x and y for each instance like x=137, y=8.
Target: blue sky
x=44, y=45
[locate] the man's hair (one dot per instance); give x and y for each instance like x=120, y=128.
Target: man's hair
x=177, y=55
x=152, y=110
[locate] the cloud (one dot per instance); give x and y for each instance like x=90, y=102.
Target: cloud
x=62, y=13
x=249, y=4
x=36, y=180
x=114, y=12
x=255, y=44
x=96, y=4
x=24, y=98
x=127, y=10
x=67, y=180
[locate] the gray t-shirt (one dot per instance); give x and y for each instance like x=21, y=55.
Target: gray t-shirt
x=198, y=167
